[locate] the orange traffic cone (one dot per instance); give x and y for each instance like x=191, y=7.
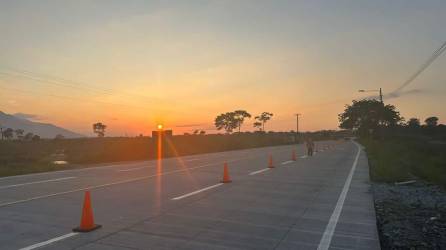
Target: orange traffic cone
x=293, y=156
x=87, y=220
x=226, y=178
x=270, y=164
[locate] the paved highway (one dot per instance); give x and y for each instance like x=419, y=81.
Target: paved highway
x=319, y=202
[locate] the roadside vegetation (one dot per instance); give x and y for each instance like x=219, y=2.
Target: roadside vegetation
x=402, y=158
x=398, y=150
x=20, y=157
x=21, y=154
x=408, y=166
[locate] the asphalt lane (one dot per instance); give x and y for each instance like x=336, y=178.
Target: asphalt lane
x=181, y=205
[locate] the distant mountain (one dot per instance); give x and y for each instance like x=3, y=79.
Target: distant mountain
x=44, y=130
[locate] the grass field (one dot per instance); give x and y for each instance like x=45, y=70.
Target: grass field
x=20, y=157
x=396, y=159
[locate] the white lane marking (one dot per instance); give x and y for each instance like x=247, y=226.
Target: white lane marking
x=115, y=183
x=133, y=169
x=133, y=163
x=304, y=156
x=196, y=192
x=196, y=159
x=36, y=182
x=48, y=242
x=324, y=244
x=74, y=170
x=259, y=171
x=287, y=162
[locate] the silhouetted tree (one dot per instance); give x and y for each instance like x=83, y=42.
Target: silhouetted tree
x=263, y=118
x=239, y=116
x=8, y=133
x=36, y=138
x=28, y=136
x=196, y=132
x=368, y=115
x=19, y=133
x=258, y=125
x=226, y=121
x=431, y=121
x=99, y=129
x=413, y=123
x=202, y=132
x=59, y=137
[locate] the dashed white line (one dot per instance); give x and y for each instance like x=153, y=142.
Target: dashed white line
x=259, y=171
x=36, y=182
x=196, y=159
x=115, y=183
x=287, y=162
x=48, y=242
x=324, y=244
x=133, y=169
x=197, y=192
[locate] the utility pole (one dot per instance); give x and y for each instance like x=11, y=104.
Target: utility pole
x=381, y=95
x=297, y=126
x=375, y=90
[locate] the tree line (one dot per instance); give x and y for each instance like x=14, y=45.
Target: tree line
x=371, y=117
x=8, y=134
x=230, y=121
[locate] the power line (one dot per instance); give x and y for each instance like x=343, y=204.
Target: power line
x=49, y=81
x=61, y=82
x=437, y=53
x=70, y=98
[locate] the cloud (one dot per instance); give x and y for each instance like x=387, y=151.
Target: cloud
x=400, y=93
x=28, y=116
x=189, y=125
x=12, y=102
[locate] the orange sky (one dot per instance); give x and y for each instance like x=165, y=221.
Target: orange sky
x=134, y=65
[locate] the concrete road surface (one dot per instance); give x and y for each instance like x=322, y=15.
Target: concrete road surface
x=319, y=202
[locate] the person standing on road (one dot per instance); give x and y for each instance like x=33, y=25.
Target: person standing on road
x=310, y=146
